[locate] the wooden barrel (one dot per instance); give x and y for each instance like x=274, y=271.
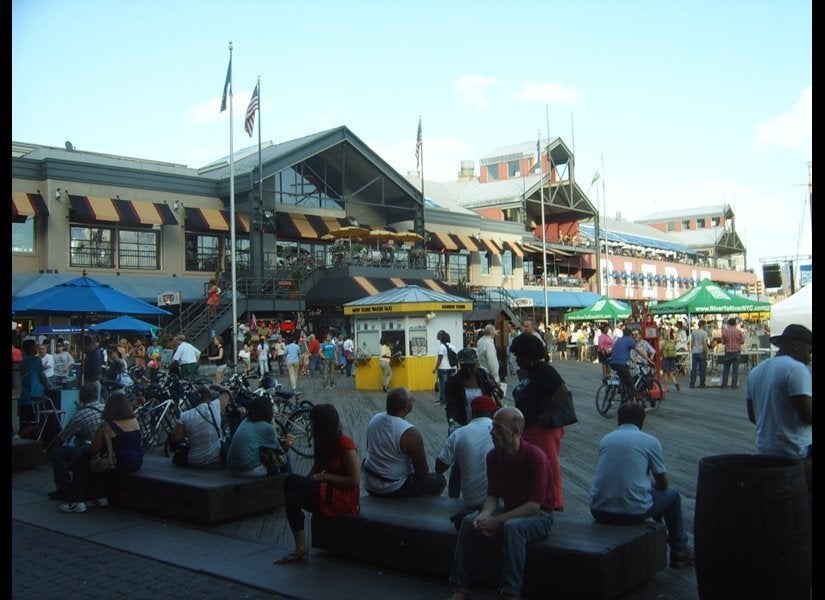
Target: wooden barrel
x=752, y=528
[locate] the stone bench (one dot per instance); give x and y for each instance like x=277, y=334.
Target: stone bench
x=27, y=454
x=202, y=496
x=580, y=559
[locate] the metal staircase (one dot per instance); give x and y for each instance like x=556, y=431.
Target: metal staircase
x=195, y=323
x=498, y=298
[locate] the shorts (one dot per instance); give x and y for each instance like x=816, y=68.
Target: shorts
x=668, y=365
x=604, y=359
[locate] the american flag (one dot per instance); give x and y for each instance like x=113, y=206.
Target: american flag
x=249, y=124
x=418, y=146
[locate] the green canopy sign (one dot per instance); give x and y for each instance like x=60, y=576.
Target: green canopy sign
x=709, y=298
x=604, y=309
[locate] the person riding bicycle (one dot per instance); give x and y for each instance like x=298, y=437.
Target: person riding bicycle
x=642, y=358
x=623, y=348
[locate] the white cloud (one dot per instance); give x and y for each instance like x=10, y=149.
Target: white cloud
x=554, y=93
x=210, y=111
x=472, y=89
x=790, y=130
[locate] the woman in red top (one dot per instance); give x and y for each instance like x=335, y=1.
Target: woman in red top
x=212, y=297
x=335, y=473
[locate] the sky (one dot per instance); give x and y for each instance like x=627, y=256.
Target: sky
x=676, y=105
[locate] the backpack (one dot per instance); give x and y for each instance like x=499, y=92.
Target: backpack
x=452, y=357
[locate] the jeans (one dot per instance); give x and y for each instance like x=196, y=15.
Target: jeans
x=63, y=458
x=315, y=364
x=443, y=375
x=731, y=359
x=699, y=365
x=623, y=371
x=511, y=540
x=667, y=504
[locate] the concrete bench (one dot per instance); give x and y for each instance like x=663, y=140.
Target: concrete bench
x=580, y=559
x=27, y=454
x=202, y=496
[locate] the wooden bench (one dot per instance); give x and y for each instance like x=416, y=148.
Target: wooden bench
x=580, y=559
x=202, y=496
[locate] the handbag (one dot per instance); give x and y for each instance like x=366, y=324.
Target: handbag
x=272, y=458
x=334, y=501
x=106, y=460
x=349, y=355
x=124, y=379
x=564, y=415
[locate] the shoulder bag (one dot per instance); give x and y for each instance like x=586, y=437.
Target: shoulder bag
x=564, y=415
x=180, y=457
x=224, y=441
x=105, y=460
x=334, y=500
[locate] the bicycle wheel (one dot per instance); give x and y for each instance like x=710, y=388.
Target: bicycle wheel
x=298, y=425
x=148, y=420
x=604, y=399
x=652, y=396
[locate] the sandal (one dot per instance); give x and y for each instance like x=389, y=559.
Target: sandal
x=292, y=557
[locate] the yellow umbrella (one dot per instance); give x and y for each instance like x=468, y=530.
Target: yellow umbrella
x=348, y=232
x=408, y=236
x=381, y=234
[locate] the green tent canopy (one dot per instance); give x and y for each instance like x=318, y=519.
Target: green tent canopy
x=709, y=298
x=604, y=309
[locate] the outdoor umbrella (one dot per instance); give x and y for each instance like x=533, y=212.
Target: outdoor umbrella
x=125, y=324
x=348, y=233
x=381, y=234
x=82, y=297
x=408, y=236
x=604, y=309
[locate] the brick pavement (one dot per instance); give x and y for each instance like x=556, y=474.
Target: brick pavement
x=47, y=564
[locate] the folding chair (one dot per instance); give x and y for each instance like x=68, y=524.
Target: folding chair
x=45, y=412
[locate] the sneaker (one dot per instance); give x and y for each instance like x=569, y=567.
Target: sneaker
x=59, y=495
x=73, y=507
x=681, y=559
x=98, y=503
x=678, y=389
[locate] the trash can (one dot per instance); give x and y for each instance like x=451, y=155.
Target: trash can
x=752, y=528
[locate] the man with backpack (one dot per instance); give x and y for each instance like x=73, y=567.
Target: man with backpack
x=445, y=364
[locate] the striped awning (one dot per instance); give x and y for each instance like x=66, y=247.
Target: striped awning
x=339, y=290
x=442, y=241
x=292, y=226
x=465, y=242
x=214, y=219
x=27, y=205
x=514, y=247
x=89, y=209
x=489, y=245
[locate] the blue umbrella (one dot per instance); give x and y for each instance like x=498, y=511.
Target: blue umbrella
x=125, y=324
x=82, y=297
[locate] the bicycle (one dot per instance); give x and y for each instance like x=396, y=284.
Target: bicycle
x=157, y=418
x=644, y=383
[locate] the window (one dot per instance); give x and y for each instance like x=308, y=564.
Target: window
x=686, y=224
x=513, y=168
x=22, y=237
x=457, y=267
x=715, y=221
x=484, y=260
x=507, y=263
x=138, y=249
x=92, y=247
x=701, y=223
x=211, y=253
x=492, y=172
x=671, y=225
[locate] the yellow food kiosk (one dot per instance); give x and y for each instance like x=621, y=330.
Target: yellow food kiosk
x=409, y=317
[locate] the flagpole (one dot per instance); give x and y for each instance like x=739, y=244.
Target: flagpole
x=419, y=153
x=606, y=247
x=544, y=238
x=232, y=217
x=260, y=172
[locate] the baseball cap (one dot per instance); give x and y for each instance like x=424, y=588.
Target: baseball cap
x=467, y=356
x=794, y=332
x=483, y=404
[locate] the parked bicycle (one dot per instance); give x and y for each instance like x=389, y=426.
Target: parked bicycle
x=613, y=392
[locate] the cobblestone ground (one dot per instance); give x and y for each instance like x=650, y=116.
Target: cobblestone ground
x=44, y=561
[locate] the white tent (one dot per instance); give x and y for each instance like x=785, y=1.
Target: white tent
x=797, y=308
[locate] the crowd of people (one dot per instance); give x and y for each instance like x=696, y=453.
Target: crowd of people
x=503, y=460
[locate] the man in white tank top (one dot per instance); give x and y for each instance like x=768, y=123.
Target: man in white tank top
x=396, y=461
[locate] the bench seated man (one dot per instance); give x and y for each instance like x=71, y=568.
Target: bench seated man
x=396, y=461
